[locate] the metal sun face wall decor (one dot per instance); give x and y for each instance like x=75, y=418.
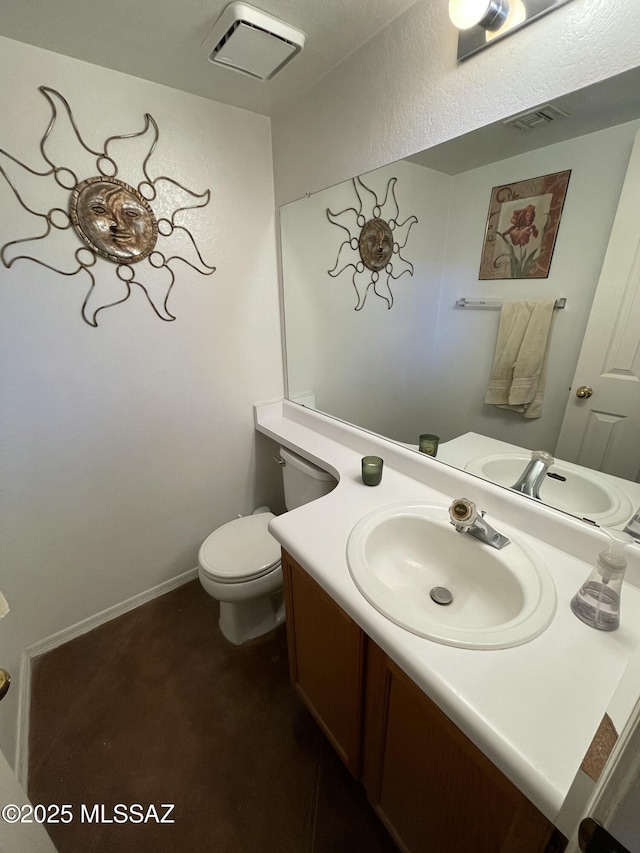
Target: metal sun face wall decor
x=374, y=234
x=115, y=221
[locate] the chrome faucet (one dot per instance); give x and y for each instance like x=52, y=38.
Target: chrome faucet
x=465, y=518
x=533, y=475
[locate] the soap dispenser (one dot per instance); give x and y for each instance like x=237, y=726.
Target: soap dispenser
x=597, y=602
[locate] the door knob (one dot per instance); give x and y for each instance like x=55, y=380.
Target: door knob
x=5, y=681
x=584, y=392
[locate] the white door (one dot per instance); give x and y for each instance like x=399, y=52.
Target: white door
x=17, y=834
x=602, y=431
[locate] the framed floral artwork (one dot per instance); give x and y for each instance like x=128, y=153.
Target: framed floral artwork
x=522, y=225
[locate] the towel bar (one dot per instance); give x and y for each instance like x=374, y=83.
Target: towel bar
x=463, y=302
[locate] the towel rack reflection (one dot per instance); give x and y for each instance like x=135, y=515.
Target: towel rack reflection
x=463, y=302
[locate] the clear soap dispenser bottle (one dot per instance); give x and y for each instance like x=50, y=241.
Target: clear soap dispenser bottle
x=597, y=602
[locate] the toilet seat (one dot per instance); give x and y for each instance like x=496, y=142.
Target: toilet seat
x=240, y=550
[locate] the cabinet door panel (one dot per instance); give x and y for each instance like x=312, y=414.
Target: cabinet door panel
x=326, y=654
x=434, y=790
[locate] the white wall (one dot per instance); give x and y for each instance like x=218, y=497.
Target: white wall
x=124, y=446
x=404, y=90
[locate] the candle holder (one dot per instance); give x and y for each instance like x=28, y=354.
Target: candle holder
x=428, y=444
x=371, y=470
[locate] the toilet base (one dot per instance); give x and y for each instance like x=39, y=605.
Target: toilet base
x=241, y=621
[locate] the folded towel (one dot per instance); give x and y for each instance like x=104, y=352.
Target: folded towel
x=520, y=361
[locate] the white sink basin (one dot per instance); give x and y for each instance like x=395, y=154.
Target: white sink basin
x=398, y=554
x=584, y=493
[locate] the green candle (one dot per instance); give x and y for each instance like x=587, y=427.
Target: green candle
x=371, y=470
x=428, y=444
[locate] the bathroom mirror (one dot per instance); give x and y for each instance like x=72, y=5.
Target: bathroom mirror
x=423, y=364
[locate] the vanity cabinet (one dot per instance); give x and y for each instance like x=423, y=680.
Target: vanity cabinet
x=434, y=790
x=430, y=785
x=326, y=661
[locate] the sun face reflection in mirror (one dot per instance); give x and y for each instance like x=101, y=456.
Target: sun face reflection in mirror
x=114, y=220
x=373, y=248
x=375, y=244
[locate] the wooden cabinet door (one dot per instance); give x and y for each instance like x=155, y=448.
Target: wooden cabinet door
x=433, y=789
x=326, y=661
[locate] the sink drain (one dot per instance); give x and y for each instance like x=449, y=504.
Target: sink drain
x=441, y=595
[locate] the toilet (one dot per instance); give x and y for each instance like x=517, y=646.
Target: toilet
x=239, y=563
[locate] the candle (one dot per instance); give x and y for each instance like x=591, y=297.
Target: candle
x=428, y=444
x=371, y=470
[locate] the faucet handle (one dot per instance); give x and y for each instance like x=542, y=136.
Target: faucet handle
x=463, y=513
x=542, y=456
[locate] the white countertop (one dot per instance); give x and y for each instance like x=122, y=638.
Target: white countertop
x=532, y=709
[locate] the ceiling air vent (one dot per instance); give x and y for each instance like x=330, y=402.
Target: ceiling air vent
x=535, y=118
x=252, y=42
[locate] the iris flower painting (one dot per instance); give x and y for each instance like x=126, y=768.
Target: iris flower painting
x=522, y=226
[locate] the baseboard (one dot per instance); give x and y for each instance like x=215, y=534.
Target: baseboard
x=64, y=636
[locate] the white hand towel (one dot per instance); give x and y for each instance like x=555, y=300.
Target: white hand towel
x=520, y=361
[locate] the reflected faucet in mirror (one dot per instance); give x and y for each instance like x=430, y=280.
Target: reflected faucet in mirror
x=533, y=475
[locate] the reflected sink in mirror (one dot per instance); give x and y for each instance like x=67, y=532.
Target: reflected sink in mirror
x=582, y=492
x=398, y=554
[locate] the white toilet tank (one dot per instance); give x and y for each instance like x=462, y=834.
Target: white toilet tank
x=303, y=481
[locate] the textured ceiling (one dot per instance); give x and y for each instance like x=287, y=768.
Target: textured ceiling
x=604, y=104
x=161, y=40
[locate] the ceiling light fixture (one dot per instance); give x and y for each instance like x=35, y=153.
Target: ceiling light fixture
x=485, y=21
x=470, y=13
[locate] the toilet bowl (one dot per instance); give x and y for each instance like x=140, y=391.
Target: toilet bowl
x=239, y=563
